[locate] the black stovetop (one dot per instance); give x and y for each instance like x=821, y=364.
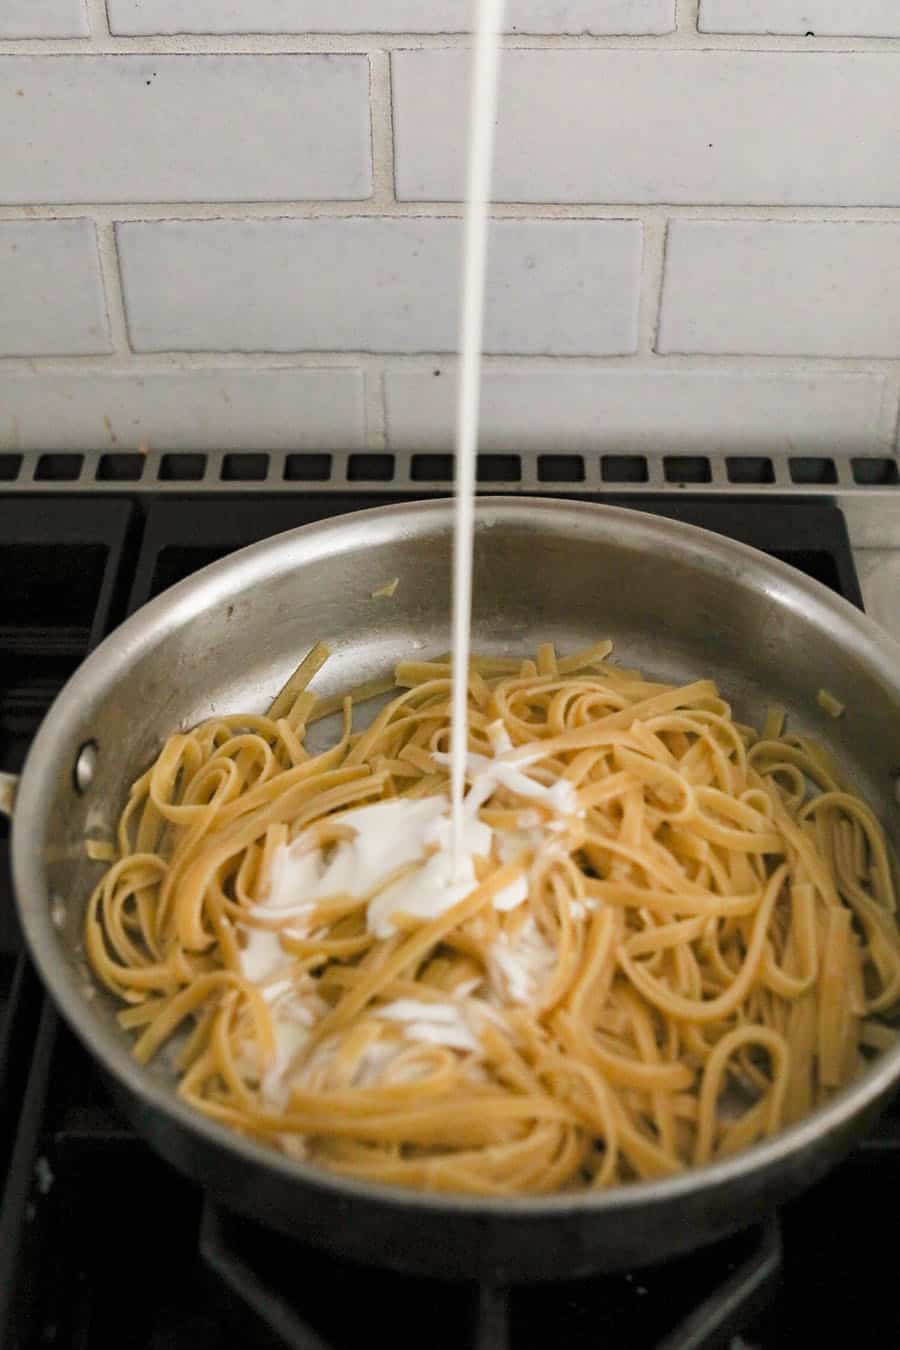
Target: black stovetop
x=102, y=1245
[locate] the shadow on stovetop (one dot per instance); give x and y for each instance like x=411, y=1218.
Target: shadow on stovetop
x=118, y=1239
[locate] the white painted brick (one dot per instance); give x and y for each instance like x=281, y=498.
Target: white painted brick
x=780, y=288
x=659, y=126
x=642, y=411
x=822, y=18
x=385, y=16
x=43, y=19
x=357, y=284
x=184, y=128
x=183, y=410
x=51, y=290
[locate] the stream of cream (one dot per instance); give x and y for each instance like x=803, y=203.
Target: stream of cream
x=482, y=121
x=418, y=856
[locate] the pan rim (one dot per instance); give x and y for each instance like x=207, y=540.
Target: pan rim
x=224, y=578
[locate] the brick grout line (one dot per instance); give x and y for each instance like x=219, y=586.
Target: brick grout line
x=688, y=17
x=889, y=370
x=891, y=411
x=372, y=208
x=382, y=115
x=108, y=247
x=124, y=362
x=383, y=382
x=652, y=269
x=98, y=19
x=375, y=403
x=684, y=38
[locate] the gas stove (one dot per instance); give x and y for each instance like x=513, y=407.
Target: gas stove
x=102, y=1244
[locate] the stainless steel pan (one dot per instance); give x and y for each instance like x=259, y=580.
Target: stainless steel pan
x=678, y=601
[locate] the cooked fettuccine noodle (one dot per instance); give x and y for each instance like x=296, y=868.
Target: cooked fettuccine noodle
x=673, y=936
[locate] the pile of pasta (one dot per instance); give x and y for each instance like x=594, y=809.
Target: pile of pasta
x=718, y=922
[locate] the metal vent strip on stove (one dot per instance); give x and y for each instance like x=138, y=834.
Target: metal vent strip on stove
x=525, y=471
x=865, y=487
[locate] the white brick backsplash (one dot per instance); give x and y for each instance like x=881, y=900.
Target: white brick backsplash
x=779, y=288
x=43, y=19
x=642, y=411
x=822, y=18
x=184, y=128
x=183, y=410
x=556, y=287
x=385, y=16
x=659, y=126
x=696, y=246
x=51, y=291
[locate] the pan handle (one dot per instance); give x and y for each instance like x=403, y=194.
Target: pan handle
x=9, y=782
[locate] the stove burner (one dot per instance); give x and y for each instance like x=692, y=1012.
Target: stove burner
x=659, y=1306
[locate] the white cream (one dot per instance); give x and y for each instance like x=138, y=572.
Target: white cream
x=521, y=965
x=407, y=834
x=436, y=1023
x=486, y=775
x=292, y=1021
x=389, y=835
x=426, y=892
x=412, y=838
x=467, y=987
x=262, y=954
x=511, y=844
x=513, y=895
x=290, y=1038
x=280, y=989
x=374, y=1060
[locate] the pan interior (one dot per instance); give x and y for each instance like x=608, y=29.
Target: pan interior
x=679, y=604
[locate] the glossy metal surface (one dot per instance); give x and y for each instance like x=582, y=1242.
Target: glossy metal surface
x=678, y=602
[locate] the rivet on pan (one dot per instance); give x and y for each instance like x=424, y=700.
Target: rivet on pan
x=85, y=766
